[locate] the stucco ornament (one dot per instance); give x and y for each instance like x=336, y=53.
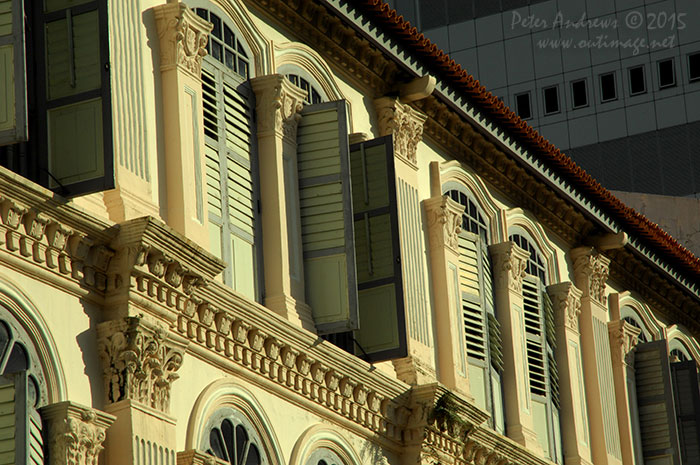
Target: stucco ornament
x=404, y=123
x=591, y=271
x=278, y=105
x=444, y=221
x=509, y=263
x=183, y=37
x=566, y=300
x=623, y=338
x=140, y=362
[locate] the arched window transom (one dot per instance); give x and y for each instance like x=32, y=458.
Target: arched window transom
x=313, y=96
x=231, y=437
x=224, y=46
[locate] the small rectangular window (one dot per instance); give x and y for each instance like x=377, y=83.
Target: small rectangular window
x=637, y=81
x=579, y=93
x=522, y=105
x=608, y=90
x=694, y=67
x=551, y=100
x=667, y=75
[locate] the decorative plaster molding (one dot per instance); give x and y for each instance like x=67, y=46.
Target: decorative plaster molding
x=623, y=338
x=139, y=361
x=278, y=105
x=404, y=122
x=566, y=299
x=591, y=272
x=196, y=457
x=183, y=38
x=412, y=371
x=509, y=263
x=444, y=222
x=75, y=433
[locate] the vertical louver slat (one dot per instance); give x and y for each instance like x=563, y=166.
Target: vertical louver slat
x=549, y=320
x=532, y=306
x=553, y=379
x=686, y=394
x=495, y=343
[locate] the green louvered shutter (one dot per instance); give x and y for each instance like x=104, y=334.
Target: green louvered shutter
x=382, y=333
x=14, y=420
x=13, y=86
x=327, y=231
x=75, y=104
x=535, y=343
x=686, y=394
x=657, y=416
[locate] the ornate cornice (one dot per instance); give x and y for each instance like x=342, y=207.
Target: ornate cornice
x=444, y=222
x=278, y=105
x=75, y=433
x=140, y=361
x=623, y=338
x=591, y=272
x=509, y=263
x=566, y=299
x=183, y=38
x=404, y=123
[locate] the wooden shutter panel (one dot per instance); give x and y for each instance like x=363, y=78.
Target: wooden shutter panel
x=382, y=333
x=14, y=419
x=471, y=293
x=327, y=230
x=13, y=85
x=532, y=303
x=657, y=417
x=77, y=114
x=686, y=394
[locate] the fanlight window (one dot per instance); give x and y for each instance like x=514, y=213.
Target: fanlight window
x=15, y=358
x=313, y=96
x=324, y=456
x=224, y=46
x=231, y=437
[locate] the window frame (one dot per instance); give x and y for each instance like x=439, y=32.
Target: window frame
x=601, y=76
x=695, y=55
x=573, y=94
x=529, y=105
x=673, y=73
x=544, y=100
x=644, y=80
x=237, y=417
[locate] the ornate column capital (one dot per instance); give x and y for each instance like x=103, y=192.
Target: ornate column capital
x=623, y=338
x=404, y=122
x=140, y=361
x=75, y=433
x=444, y=222
x=566, y=299
x=278, y=105
x=591, y=272
x=183, y=38
x=509, y=263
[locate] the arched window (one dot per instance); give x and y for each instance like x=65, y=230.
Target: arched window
x=540, y=343
x=324, y=456
x=312, y=93
x=231, y=158
x=230, y=436
x=482, y=335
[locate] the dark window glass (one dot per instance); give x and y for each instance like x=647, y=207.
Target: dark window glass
x=607, y=87
x=522, y=105
x=637, y=81
x=5, y=337
x=216, y=21
x=551, y=100
x=579, y=93
x=694, y=67
x=667, y=75
x=18, y=361
x=229, y=38
x=216, y=50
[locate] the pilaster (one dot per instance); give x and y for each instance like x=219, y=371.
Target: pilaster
x=278, y=107
x=509, y=262
x=591, y=274
x=623, y=338
x=183, y=37
x=444, y=220
x=74, y=433
x=404, y=123
x=566, y=301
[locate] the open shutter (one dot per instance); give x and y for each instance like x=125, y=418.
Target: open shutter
x=382, y=333
x=75, y=104
x=470, y=291
x=327, y=231
x=686, y=394
x=657, y=417
x=13, y=86
x=14, y=419
x=532, y=303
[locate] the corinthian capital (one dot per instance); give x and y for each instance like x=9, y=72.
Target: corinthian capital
x=509, y=263
x=140, y=361
x=404, y=122
x=279, y=103
x=591, y=272
x=444, y=221
x=566, y=299
x=183, y=38
x=623, y=338
x=75, y=433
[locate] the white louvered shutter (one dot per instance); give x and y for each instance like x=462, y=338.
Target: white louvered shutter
x=13, y=86
x=20, y=424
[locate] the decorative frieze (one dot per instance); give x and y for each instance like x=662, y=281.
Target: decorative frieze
x=404, y=123
x=140, y=361
x=75, y=433
x=444, y=222
x=591, y=272
x=566, y=300
x=623, y=338
x=183, y=37
x=509, y=263
x=278, y=105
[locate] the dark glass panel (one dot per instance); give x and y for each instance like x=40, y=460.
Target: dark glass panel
x=18, y=361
